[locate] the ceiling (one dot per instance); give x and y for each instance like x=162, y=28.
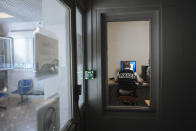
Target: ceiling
x=22, y=10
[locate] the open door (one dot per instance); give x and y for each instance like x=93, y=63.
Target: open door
x=123, y=41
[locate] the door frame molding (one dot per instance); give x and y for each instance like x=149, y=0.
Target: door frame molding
x=126, y=14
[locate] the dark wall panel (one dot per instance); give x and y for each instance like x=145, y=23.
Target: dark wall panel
x=123, y=3
x=177, y=95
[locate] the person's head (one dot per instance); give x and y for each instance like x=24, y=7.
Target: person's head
x=127, y=65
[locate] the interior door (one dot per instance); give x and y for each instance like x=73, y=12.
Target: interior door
x=176, y=49
x=102, y=116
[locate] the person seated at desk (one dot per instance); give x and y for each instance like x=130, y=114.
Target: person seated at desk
x=138, y=80
x=127, y=70
x=127, y=80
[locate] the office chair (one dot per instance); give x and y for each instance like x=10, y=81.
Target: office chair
x=126, y=91
x=24, y=87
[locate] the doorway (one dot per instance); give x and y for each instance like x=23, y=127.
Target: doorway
x=103, y=114
x=128, y=56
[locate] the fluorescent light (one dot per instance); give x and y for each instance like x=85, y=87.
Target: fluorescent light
x=5, y=15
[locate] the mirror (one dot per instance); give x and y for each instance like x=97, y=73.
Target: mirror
x=128, y=51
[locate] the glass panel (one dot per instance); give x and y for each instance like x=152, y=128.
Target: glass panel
x=128, y=46
x=80, y=57
x=56, y=25
x=43, y=102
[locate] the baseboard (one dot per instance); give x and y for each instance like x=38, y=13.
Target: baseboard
x=70, y=126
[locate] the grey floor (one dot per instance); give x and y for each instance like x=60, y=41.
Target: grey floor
x=18, y=117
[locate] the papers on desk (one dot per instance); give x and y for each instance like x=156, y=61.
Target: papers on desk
x=147, y=102
x=145, y=84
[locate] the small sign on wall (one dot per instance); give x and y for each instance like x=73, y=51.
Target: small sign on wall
x=89, y=75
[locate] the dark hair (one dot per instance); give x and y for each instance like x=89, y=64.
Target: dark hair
x=126, y=64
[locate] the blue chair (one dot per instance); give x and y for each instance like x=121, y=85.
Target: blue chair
x=24, y=87
x=3, y=95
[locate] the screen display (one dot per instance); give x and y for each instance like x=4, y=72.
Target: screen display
x=131, y=65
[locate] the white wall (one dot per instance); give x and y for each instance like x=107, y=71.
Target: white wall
x=127, y=41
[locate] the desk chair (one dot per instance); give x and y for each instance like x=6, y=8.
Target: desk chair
x=24, y=86
x=126, y=91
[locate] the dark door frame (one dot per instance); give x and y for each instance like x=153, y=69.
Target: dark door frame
x=107, y=15
x=76, y=121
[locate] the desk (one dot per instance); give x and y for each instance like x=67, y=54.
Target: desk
x=142, y=92
x=114, y=83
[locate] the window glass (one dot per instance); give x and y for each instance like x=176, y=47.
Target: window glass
x=43, y=101
x=80, y=57
x=23, y=53
x=56, y=25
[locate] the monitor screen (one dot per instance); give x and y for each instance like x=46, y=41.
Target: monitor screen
x=129, y=64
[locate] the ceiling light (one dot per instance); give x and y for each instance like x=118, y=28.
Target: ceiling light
x=5, y=15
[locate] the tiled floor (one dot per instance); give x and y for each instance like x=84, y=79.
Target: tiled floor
x=19, y=117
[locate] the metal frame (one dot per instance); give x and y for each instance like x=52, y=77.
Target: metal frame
x=72, y=4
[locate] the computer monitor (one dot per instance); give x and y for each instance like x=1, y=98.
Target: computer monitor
x=131, y=63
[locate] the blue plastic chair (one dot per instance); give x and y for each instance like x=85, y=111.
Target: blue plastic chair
x=24, y=87
x=2, y=95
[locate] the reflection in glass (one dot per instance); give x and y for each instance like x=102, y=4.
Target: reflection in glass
x=47, y=92
x=23, y=53
x=128, y=63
